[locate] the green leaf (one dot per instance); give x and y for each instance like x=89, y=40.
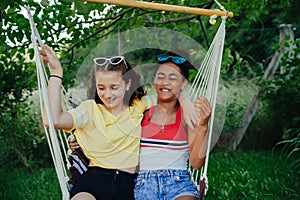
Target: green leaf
x=66, y=2
x=81, y=8
x=11, y=11
x=13, y=52
x=31, y=53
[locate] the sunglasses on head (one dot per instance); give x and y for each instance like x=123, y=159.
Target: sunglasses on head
x=115, y=60
x=175, y=59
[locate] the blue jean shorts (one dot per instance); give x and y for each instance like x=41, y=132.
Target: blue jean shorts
x=164, y=185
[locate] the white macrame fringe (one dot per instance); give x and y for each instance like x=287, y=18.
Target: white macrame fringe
x=206, y=84
x=51, y=135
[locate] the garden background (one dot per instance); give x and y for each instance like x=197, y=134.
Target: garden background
x=260, y=162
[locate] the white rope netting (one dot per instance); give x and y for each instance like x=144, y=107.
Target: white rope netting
x=206, y=84
x=56, y=145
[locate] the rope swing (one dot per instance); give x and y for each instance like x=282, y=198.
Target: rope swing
x=56, y=146
x=205, y=84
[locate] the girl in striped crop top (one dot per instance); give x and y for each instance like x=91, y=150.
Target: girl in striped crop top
x=167, y=143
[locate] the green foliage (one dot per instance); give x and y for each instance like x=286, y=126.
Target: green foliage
x=283, y=95
x=238, y=94
x=291, y=145
x=285, y=87
x=22, y=139
x=287, y=111
x=18, y=129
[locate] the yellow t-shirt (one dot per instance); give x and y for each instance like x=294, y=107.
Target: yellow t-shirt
x=110, y=141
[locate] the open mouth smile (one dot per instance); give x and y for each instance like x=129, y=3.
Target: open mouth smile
x=165, y=90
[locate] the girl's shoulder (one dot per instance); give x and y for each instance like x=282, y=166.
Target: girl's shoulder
x=89, y=103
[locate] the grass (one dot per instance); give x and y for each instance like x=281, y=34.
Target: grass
x=238, y=175
x=252, y=175
x=18, y=184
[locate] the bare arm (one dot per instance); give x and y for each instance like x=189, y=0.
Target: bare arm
x=198, y=137
x=61, y=120
x=191, y=118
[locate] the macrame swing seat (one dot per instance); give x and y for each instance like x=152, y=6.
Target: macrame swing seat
x=205, y=84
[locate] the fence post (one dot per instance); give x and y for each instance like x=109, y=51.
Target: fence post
x=286, y=34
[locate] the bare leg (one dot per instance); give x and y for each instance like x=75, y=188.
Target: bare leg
x=83, y=196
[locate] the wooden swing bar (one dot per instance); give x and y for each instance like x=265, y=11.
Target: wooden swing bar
x=165, y=7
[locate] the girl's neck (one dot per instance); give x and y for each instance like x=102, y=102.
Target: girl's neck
x=164, y=113
x=168, y=107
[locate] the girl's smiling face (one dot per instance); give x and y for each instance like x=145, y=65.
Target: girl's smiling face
x=169, y=81
x=111, y=89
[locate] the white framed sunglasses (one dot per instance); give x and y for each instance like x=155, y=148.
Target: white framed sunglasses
x=115, y=60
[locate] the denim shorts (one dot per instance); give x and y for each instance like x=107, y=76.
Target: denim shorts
x=164, y=185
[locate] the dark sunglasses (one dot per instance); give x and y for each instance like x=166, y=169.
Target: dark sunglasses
x=175, y=59
x=115, y=60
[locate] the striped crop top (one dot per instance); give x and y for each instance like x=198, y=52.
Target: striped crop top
x=163, y=146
